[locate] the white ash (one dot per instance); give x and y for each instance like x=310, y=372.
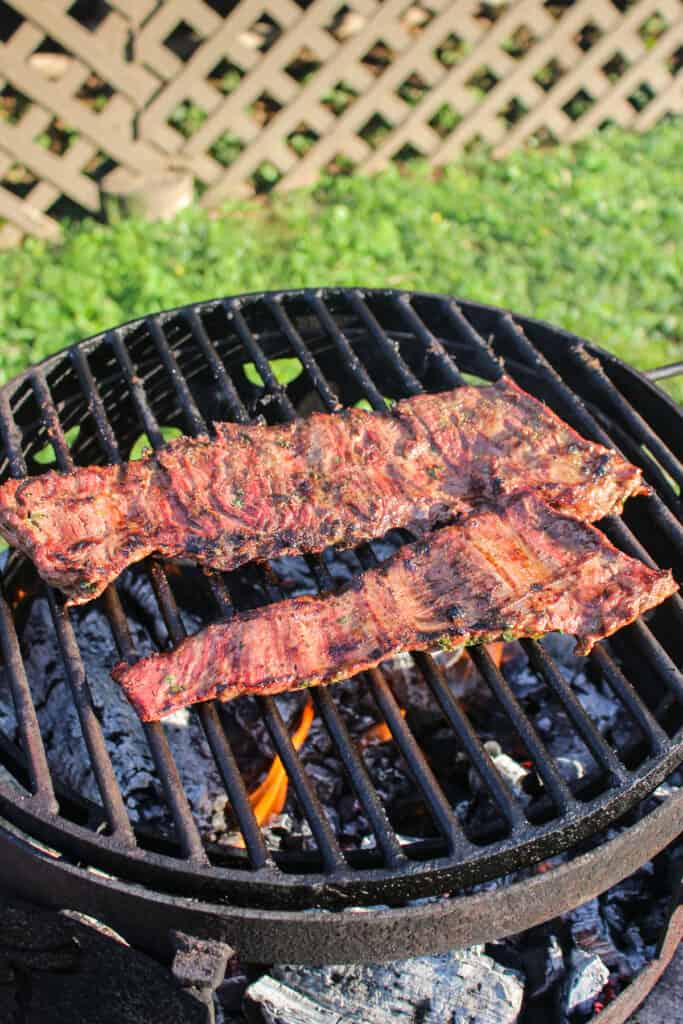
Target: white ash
x=587, y=978
x=463, y=987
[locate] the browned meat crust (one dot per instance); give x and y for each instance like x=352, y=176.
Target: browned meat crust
x=504, y=573
x=258, y=492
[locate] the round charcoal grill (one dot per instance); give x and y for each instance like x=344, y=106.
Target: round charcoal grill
x=186, y=368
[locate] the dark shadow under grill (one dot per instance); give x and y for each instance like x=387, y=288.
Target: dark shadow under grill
x=185, y=369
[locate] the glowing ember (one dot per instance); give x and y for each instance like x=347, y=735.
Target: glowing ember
x=269, y=797
x=379, y=733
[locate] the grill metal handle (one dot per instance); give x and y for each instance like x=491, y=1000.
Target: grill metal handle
x=664, y=372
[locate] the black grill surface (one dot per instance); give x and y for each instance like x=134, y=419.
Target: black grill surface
x=186, y=368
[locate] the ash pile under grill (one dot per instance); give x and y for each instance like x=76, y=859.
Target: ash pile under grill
x=564, y=970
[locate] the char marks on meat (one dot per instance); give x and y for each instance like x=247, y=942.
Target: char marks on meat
x=513, y=571
x=257, y=492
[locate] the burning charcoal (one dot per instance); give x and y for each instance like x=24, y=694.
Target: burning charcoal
x=123, y=733
x=587, y=978
x=591, y=934
x=536, y=954
x=464, y=986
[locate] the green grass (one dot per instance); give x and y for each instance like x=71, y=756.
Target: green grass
x=588, y=238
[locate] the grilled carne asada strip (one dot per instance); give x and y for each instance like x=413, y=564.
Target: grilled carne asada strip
x=257, y=492
x=522, y=570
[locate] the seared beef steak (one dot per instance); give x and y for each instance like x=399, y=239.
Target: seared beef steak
x=256, y=492
x=500, y=573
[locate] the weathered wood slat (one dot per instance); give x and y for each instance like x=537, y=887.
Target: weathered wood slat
x=154, y=55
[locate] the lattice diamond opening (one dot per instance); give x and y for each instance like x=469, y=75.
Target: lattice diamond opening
x=642, y=96
x=549, y=75
x=513, y=111
x=483, y=80
x=187, y=118
x=445, y=120
x=266, y=176
x=616, y=67
x=302, y=139
x=375, y=130
x=580, y=102
x=13, y=104
x=264, y=108
x=339, y=98
x=263, y=33
x=413, y=89
x=451, y=51
x=520, y=42
x=588, y=36
x=378, y=58
x=653, y=28
x=225, y=77
x=304, y=65
x=183, y=41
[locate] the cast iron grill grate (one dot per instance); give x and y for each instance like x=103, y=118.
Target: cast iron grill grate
x=186, y=368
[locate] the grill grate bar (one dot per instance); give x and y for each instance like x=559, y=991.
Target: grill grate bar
x=498, y=786
x=599, y=748
x=408, y=379
x=443, y=814
x=323, y=834
x=491, y=362
x=343, y=346
x=652, y=472
x=234, y=312
x=31, y=739
x=302, y=350
x=112, y=801
x=558, y=789
x=105, y=432
x=218, y=741
x=592, y=371
x=615, y=528
x=658, y=658
x=623, y=689
x=334, y=723
x=208, y=716
x=221, y=376
x=432, y=345
x=325, y=839
x=192, y=414
x=556, y=785
x=190, y=840
x=366, y=792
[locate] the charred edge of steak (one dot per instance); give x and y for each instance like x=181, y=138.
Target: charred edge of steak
x=257, y=492
x=502, y=573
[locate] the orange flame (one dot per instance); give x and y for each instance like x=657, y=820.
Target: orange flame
x=379, y=733
x=269, y=797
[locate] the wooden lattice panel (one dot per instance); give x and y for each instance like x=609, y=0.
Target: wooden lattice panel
x=269, y=93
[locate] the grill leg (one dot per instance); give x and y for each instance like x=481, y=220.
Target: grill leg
x=199, y=967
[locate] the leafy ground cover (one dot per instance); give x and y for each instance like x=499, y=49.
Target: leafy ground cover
x=587, y=237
